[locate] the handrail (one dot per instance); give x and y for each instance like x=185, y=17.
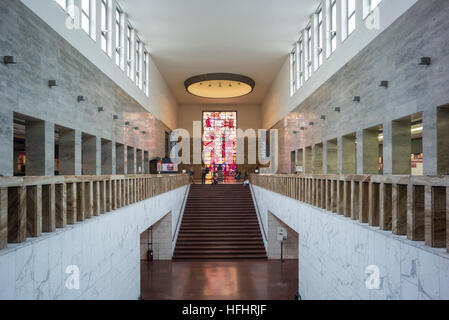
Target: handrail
x=412, y=206
x=30, y=206
x=186, y=195
x=258, y=214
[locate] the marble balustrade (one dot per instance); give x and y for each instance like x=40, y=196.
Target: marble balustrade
x=30, y=206
x=412, y=206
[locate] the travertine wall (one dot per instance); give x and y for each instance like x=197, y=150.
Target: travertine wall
x=335, y=253
x=43, y=55
x=393, y=56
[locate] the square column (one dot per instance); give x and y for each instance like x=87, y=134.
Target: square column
x=119, y=158
x=40, y=148
x=368, y=151
x=397, y=147
x=318, y=159
x=107, y=156
x=91, y=155
x=6, y=143
x=332, y=157
x=348, y=154
x=70, y=146
x=435, y=141
x=131, y=160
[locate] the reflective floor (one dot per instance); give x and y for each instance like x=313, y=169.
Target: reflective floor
x=219, y=280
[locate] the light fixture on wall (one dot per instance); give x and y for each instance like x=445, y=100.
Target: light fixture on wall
x=52, y=83
x=9, y=60
x=356, y=98
x=425, y=61
x=219, y=85
x=383, y=84
x=82, y=98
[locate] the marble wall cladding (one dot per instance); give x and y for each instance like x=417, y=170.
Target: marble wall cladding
x=335, y=252
x=24, y=89
x=394, y=56
x=290, y=247
x=106, y=249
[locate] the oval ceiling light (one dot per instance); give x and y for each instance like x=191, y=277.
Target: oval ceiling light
x=219, y=85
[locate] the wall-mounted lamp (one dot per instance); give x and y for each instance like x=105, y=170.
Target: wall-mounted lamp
x=425, y=61
x=52, y=83
x=9, y=60
x=337, y=109
x=100, y=109
x=82, y=98
x=356, y=98
x=323, y=117
x=383, y=84
x=115, y=117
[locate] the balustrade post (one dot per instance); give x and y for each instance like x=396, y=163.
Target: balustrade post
x=61, y=205
x=71, y=203
x=48, y=208
x=17, y=214
x=3, y=218
x=34, y=211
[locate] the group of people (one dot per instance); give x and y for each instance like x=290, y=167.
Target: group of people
x=218, y=176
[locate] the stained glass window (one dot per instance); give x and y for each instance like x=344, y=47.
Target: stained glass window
x=220, y=141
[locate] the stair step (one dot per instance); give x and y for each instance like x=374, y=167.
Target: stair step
x=220, y=222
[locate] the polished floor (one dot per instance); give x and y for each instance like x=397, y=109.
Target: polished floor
x=219, y=280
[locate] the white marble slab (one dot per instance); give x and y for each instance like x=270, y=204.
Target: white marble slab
x=106, y=249
x=335, y=251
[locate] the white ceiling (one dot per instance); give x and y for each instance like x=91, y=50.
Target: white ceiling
x=191, y=37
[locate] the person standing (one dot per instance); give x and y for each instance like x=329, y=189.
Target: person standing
x=220, y=175
x=203, y=175
x=191, y=175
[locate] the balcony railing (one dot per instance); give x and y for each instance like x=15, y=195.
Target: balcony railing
x=412, y=206
x=30, y=206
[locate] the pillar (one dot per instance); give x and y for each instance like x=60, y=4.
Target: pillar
x=119, y=158
x=70, y=152
x=6, y=143
x=308, y=160
x=106, y=157
x=318, y=159
x=332, y=157
x=40, y=148
x=91, y=155
x=368, y=151
x=397, y=147
x=131, y=164
x=348, y=154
